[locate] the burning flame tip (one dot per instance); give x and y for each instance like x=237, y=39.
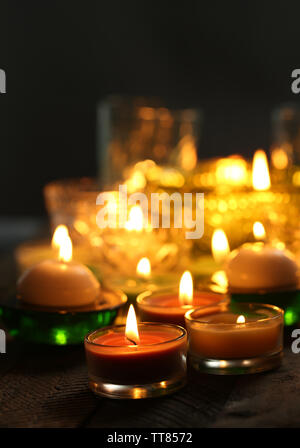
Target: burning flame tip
x=241, y=319
x=186, y=288
x=65, y=250
x=259, y=230
x=59, y=235
x=260, y=171
x=143, y=268
x=220, y=246
x=131, y=331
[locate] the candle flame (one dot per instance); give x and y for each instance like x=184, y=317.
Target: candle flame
x=219, y=246
x=131, y=331
x=136, y=219
x=259, y=231
x=186, y=289
x=65, y=250
x=143, y=268
x=241, y=319
x=260, y=171
x=59, y=235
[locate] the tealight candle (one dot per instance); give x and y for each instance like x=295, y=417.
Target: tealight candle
x=206, y=265
x=261, y=267
x=30, y=253
x=136, y=360
x=235, y=338
x=170, y=306
x=143, y=280
x=58, y=283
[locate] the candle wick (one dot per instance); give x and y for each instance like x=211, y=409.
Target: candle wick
x=131, y=340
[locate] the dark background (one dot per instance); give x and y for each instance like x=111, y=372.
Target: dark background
x=61, y=57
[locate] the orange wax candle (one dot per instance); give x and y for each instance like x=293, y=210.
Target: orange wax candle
x=136, y=360
x=166, y=306
x=157, y=356
x=239, y=331
x=171, y=306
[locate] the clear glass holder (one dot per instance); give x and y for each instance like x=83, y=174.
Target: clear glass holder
x=236, y=366
x=120, y=369
x=235, y=338
x=123, y=391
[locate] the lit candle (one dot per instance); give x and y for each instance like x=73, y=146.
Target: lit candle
x=207, y=265
x=60, y=283
x=136, y=360
x=170, y=306
x=143, y=280
x=221, y=335
x=32, y=252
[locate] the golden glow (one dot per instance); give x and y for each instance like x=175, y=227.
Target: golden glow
x=220, y=279
x=131, y=331
x=279, y=158
x=232, y=171
x=65, y=250
x=296, y=178
x=136, y=219
x=143, y=268
x=188, y=154
x=170, y=177
x=241, y=319
x=59, y=235
x=259, y=231
x=280, y=245
x=219, y=246
x=186, y=289
x=260, y=171
x=136, y=181
x=81, y=227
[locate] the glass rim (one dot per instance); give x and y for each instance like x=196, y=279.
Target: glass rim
x=183, y=333
x=278, y=315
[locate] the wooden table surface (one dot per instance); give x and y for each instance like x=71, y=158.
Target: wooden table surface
x=47, y=387
x=42, y=386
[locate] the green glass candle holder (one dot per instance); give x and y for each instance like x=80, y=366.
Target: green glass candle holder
x=59, y=326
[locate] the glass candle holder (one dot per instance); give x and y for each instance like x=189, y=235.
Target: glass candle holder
x=111, y=250
x=238, y=338
x=164, y=305
x=154, y=367
x=133, y=129
x=67, y=326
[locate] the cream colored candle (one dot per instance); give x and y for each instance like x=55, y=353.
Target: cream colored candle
x=261, y=267
x=59, y=283
x=219, y=332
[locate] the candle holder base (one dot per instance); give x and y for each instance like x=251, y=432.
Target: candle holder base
x=59, y=326
x=135, y=391
x=236, y=366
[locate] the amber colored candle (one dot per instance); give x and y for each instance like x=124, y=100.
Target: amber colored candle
x=215, y=332
x=167, y=307
x=159, y=355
